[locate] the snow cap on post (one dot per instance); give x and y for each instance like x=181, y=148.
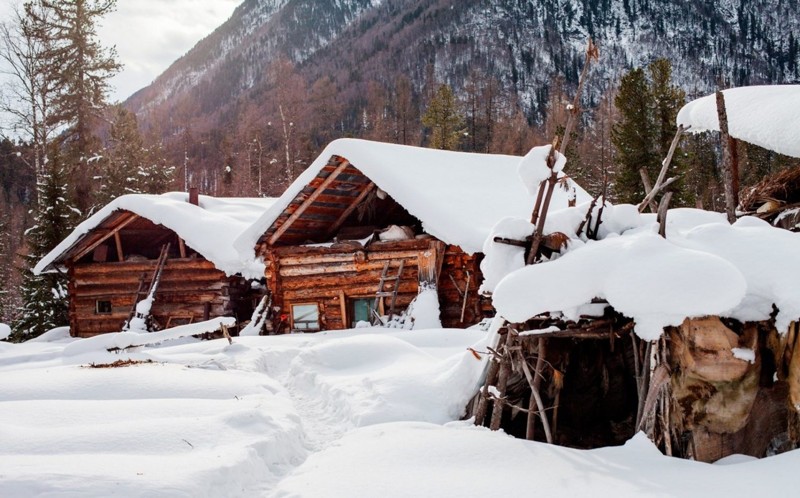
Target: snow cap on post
x=533, y=168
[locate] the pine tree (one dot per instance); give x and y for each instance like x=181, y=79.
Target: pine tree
x=45, y=296
x=633, y=136
x=443, y=119
x=84, y=68
x=648, y=104
x=127, y=165
x=667, y=101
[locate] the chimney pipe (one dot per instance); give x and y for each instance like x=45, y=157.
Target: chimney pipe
x=194, y=196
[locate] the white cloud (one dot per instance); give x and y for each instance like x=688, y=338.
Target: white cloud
x=151, y=34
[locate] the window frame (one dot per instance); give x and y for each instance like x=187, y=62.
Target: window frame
x=292, y=326
x=98, y=310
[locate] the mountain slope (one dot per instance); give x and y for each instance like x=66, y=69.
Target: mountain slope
x=524, y=45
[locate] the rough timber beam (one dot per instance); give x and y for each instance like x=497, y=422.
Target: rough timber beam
x=102, y=239
x=343, y=217
x=310, y=200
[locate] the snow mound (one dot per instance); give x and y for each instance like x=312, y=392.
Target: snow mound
x=371, y=379
x=767, y=116
x=704, y=267
x=418, y=459
x=122, y=340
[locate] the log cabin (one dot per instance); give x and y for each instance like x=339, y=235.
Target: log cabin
x=180, y=241
x=369, y=225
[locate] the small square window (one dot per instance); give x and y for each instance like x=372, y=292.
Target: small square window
x=305, y=317
x=103, y=307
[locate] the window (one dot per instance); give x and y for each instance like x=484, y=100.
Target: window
x=103, y=307
x=361, y=310
x=305, y=317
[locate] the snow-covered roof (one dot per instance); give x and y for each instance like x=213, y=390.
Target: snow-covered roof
x=209, y=228
x=767, y=116
x=457, y=196
x=705, y=266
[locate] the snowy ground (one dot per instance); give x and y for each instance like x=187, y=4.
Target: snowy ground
x=367, y=412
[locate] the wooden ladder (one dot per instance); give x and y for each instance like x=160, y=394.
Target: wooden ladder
x=153, y=283
x=381, y=292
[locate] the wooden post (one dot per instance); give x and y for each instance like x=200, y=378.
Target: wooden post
x=343, y=307
x=118, y=241
x=660, y=183
x=535, y=394
x=662, y=214
x=647, y=189
x=502, y=384
x=730, y=170
x=182, y=248
x=491, y=378
x=537, y=382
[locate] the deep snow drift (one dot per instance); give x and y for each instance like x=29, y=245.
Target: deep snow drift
x=367, y=412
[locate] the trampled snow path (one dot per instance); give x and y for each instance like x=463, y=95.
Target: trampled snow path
x=355, y=413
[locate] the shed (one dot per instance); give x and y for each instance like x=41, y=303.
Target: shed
x=114, y=257
x=369, y=225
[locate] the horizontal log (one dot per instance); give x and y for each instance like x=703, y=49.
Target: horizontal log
x=344, y=280
x=141, y=266
x=123, y=279
x=312, y=294
x=98, y=290
x=321, y=269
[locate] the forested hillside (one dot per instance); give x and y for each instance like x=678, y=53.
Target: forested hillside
x=280, y=78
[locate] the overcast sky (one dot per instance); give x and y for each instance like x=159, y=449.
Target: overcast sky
x=150, y=34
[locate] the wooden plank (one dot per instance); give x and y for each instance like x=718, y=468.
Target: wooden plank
x=118, y=242
x=276, y=235
x=368, y=290
x=295, y=271
x=182, y=247
x=99, y=241
x=343, y=217
x=343, y=306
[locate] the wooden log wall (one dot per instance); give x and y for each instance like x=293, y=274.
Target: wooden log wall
x=188, y=287
x=298, y=275
x=457, y=264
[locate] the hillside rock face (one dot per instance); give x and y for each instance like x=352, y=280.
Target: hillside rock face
x=523, y=44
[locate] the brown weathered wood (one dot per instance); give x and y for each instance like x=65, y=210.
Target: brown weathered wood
x=118, y=243
x=537, y=396
x=502, y=384
x=182, y=248
x=661, y=184
x=647, y=189
x=311, y=269
x=347, y=212
x=663, y=206
x=491, y=379
x=730, y=178
x=305, y=204
x=644, y=385
x=343, y=305
x=537, y=381
x=102, y=239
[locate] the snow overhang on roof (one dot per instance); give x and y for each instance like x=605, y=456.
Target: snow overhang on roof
x=767, y=116
x=457, y=196
x=209, y=228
